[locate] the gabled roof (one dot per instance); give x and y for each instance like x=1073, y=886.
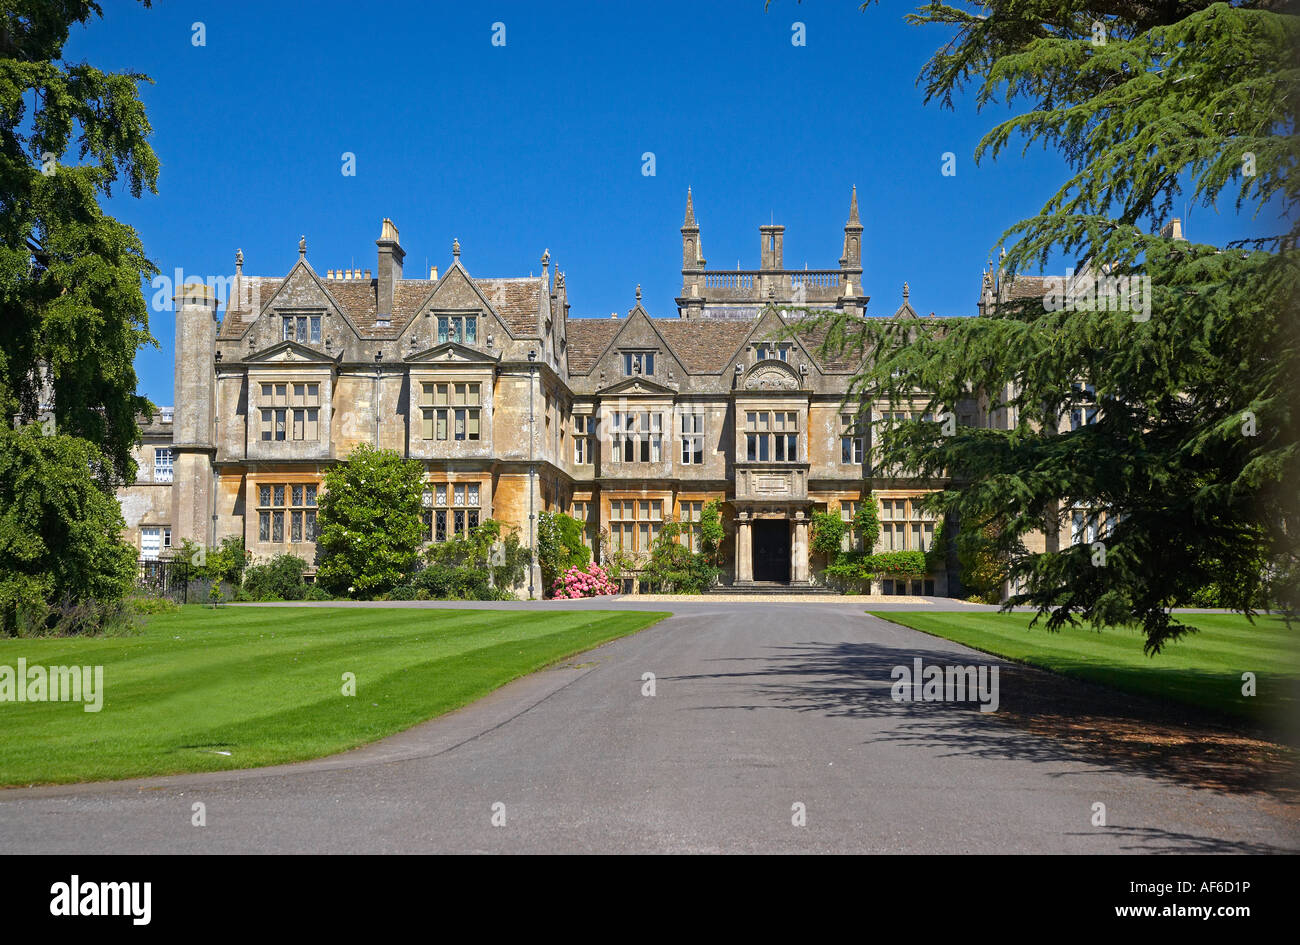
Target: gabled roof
x=706, y=346
x=588, y=338
x=517, y=301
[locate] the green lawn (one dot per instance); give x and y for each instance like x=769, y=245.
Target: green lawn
x=264, y=684
x=1202, y=669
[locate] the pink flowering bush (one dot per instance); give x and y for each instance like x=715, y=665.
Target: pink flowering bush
x=591, y=581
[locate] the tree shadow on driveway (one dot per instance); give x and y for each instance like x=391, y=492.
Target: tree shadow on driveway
x=1071, y=720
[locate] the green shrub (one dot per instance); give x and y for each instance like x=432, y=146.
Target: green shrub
x=560, y=546
x=866, y=522
x=483, y=566
x=675, y=569
x=856, y=569
x=150, y=606
x=316, y=592
x=828, y=533
x=278, y=579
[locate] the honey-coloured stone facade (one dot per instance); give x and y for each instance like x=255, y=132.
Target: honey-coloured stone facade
x=492, y=384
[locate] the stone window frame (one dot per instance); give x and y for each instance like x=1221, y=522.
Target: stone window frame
x=464, y=324
x=293, y=413
x=288, y=509
x=766, y=437
x=302, y=327
x=439, y=410
x=164, y=464
x=780, y=351
x=638, y=362
x=450, y=508
x=584, y=438
x=635, y=523
x=692, y=440
x=901, y=516
x=853, y=440
x=848, y=512
x=638, y=432
x=689, y=513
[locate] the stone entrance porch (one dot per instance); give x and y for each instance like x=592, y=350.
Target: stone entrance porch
x=772, y=545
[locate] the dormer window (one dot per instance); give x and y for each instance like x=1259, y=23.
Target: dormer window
x=638, y=363
x=459, y=329
x=301, y=328
x=771, y=352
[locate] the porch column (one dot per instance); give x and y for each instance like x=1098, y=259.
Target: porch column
x=744, y=549
x=799, y=550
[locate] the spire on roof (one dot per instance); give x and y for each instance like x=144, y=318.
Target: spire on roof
x=239, y=262
x=690, y=209
x=853, y=206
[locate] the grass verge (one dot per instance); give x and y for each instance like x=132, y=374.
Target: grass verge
x=1203, y=669
x=210, y=690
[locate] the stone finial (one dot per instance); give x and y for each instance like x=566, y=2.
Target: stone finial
x=853, y=207
x=302, y=247
x=455, y=248
x=638, y=293
x=690, y=209
x=905, y=292
x=239, y=262
x=546, y=258
x=559, y=279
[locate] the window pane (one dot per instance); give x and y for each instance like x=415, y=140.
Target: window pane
x=279, y=495
x=277, y=526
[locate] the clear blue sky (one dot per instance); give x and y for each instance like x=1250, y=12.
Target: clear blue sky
x=538, y=144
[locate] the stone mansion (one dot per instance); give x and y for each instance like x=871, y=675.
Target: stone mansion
x=514, y=406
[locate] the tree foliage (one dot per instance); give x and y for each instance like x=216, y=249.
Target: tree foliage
x=72, y=311
x=61, y=548
x=1193, y=458
x=370, y=528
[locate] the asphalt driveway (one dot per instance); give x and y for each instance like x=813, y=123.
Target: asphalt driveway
x=761, y=711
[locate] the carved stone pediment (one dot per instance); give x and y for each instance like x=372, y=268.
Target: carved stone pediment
x=770, y=376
